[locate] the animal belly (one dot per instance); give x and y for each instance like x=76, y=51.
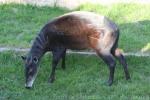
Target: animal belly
x=75, y=42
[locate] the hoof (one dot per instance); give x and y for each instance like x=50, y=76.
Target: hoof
x=109, y=82
x=63, y=67
x=28, y=87
x=128, y=78
x=51, y=80
x=57, y=68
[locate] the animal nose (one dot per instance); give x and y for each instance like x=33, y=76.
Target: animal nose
x=28, y=87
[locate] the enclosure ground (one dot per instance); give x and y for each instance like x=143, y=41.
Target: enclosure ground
x=84, y=78
x=21, y=23
x=85, y=75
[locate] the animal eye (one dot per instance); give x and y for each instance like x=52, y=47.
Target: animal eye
x=35, y=60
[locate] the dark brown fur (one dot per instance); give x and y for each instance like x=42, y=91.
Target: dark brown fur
x=80, y=30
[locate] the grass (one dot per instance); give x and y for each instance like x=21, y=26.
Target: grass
x=133, y=21
x=83, y=79
x=85, y=76
x=20, y=23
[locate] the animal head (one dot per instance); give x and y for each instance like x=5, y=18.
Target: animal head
x=30, y=64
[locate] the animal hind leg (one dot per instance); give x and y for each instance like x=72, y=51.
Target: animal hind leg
x=109, y=60
x=117, y=53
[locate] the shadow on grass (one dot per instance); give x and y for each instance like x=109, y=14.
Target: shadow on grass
x=134, y=36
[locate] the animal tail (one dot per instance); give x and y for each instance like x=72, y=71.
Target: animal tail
x=115, y=46
x=116, y=52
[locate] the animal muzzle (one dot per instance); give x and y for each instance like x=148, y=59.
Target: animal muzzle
x=29, y=83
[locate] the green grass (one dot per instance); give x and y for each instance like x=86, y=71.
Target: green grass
x=85, y=76
x=132, y=19
x=83, y=79
x=20, y=23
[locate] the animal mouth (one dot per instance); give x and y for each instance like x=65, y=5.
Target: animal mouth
x=29, y=83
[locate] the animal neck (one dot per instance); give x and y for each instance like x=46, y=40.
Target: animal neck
x=39, y=46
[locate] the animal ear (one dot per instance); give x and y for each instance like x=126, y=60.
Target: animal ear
x=23, y=57
x=35, y=60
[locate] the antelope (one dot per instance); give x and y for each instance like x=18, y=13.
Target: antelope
x=76, y=30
